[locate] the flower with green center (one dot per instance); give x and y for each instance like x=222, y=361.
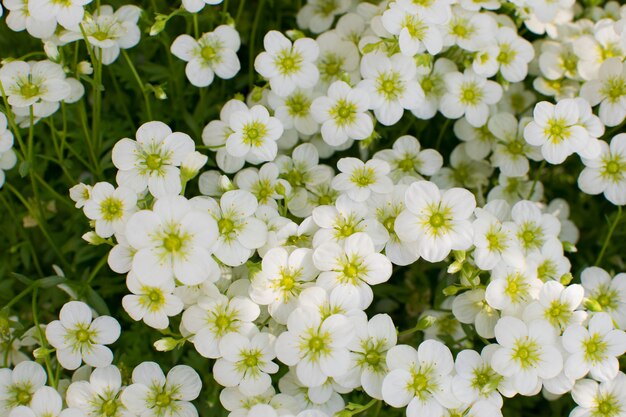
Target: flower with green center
x=288, y=65
x=475, y=379
x=214, y=317
x=527, y=353
x=594, y=349
x=246, y=363
x=40, y=83
x=437, y=221
x=21, y=383
x=153, y=304
x=282, y=278
x=110, y=207
x=315, y=346
x=214, y=53
x=469, y=95
x=558, y=305
x=511, y=288
x=604, y=399
x=152, y=160
x=100, y=395
x=343, y=114
x=419, y=378
x=359, y=180
x=607, y=174
x=356, y=265
x=559, y=132
x=77, y=338
x=254, y=134
x=161, y=396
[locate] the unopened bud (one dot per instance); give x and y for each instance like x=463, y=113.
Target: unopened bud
x=592, y=305
x=192, y=164
x=41, y=352
x=93, y=239
x=569, y=247
x=294, y=34
x=566, y=278
x=425, y=322
x=451, y=290
x=85, y=68
x=51, y=51
x=166, y=344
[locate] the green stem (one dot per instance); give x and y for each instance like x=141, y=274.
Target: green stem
x=536, y=179
x=242, y=3
x=140, y=83
x=196, y=27
x=442, y=132
x=609, y=235
x=255, y=27
x=42, y=340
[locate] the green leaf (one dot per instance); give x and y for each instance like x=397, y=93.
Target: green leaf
x=95, y=301
x=48, y=282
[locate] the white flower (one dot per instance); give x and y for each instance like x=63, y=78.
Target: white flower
x=100, y=395
x=507, y=53
x=216, y=133
x=463, y=171
x=316, y=347
x=8, y=157
x=77, y=338
x=469, y=30
x=215, y=316
x=318, y=15
x=360, y=180
x=338, y=56
x=17, y=386
x=294, y=110
x=173, y=240
x=194, y=6
x=438, y=221
x=557, y=129
x=511, y=151
x=511, y=288
x=606, y=399
x=471, y=307
x=239, y=232
x=154, y=394
x=416, y=34
x=19, y=19
x=68, y=13
x=434, y=87
x=355, y=265
x=214, y=53
x=436, y=11
x=475, y=379
x=391, y=85
x=406, y=158
x=246, y=363
x=420, y=379
x=151, y=302
x=108, y=31
x=343, y=114
x=46, y=402
x=152, y=160
x=609, y=293
x=527, y=353
x=470, y=95
x=39, y=84
x=282, y=278
x=288, y=65
x=110, y=208
x=558, y=305
x=263, y=183
x=607, y=173
x=254, y=134
x=80, y=193
x=608, y=90
x=532, y=228
x=368, y=350
x=594, y=349
x=493, y=239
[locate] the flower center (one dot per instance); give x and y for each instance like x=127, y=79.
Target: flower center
x=557, y=130
x=288, y=62
x=172, y=242
x=344, y=112
x=163, y=400
x=506, y=55
x=254, y=133
x=363, y=177
x=526, y=352
x=390, y=86
x=225, y=226
x=154, y=161
x=298, y=105
x=208, y=53
x=111, y=209
x=29, y=90
x=471, y=95
x=595, y=348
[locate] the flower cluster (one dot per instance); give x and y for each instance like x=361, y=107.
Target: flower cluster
x=270, y=273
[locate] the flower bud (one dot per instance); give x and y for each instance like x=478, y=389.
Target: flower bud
x=166, y=344
x=85, y=68
x=191, y=165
